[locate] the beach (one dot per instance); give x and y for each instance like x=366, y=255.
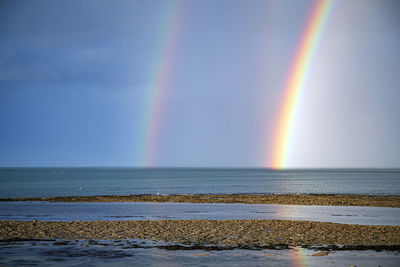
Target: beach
x=75, y=219
x=228, y=233
x=207, y=242
x=225, y=233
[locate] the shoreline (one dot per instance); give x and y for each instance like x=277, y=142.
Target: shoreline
x=312, y=199
x=213, y=234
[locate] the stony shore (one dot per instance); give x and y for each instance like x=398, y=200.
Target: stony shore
x=227, y=233
x=329, y=200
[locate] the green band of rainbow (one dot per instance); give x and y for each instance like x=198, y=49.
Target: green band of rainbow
x=295, y=83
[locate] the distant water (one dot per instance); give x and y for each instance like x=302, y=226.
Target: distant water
x=46, y=182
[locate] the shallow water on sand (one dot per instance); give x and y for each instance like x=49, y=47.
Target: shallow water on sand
x=113, y=211
x=147, y=253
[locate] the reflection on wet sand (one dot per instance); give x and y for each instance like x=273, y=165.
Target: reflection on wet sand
x=146, y=252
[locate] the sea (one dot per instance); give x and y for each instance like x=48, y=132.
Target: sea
x=49, y=182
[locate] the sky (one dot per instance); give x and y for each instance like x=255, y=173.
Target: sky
x=78, y=78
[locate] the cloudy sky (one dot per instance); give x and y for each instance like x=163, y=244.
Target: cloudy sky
x=75, y=77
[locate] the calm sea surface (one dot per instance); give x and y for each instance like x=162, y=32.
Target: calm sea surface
x=45, y=182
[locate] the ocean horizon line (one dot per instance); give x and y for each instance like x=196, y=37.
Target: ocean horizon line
x=397, y=169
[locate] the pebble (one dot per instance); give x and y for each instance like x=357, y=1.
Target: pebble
x=245, y=232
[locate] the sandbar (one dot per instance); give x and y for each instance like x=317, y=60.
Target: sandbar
x=226, y=233
x=315, y=199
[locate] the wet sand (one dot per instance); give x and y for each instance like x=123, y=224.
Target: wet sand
x=128, y=211
x=134, y=253
x=326, y=200
x=227, y=233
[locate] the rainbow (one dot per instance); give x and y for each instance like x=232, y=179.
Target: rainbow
x=157, y=95
x=299, y=257
x=295, y=83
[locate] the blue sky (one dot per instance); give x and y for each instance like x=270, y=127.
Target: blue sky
x=74, y=75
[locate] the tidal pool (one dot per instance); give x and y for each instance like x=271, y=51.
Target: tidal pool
x=148, y=253
x=113, y=211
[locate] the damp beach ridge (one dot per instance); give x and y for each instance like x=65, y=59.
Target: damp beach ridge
x=287, y=199
x=218, y=233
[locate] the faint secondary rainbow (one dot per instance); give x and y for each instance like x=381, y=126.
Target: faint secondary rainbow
x=295, y=83
x=157, y=95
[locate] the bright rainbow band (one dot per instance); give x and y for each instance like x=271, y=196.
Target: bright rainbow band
x=295, y=83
